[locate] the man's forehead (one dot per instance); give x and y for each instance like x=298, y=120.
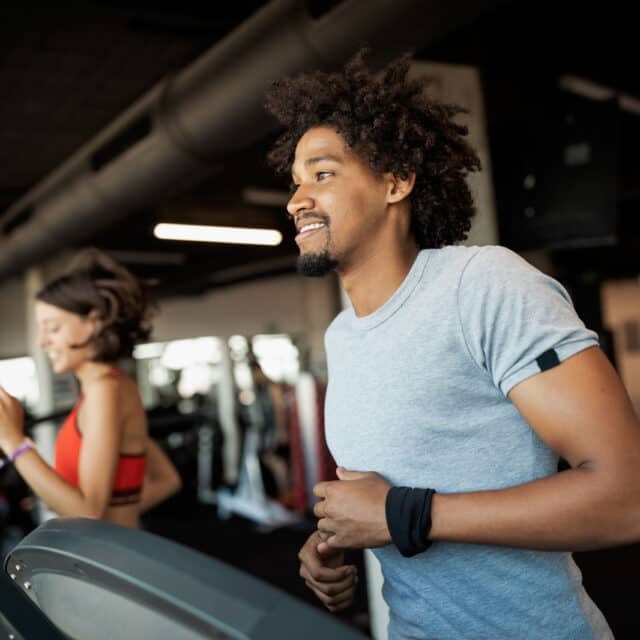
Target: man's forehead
x=320, y=142
x=322, y=138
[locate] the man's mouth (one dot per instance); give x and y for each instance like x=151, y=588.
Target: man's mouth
x=309, y=229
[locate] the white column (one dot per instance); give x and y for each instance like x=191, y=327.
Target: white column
x=227, y=416
x=462, y=85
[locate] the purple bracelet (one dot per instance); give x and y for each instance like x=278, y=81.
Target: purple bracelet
x=27, y=444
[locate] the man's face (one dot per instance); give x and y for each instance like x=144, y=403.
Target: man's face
x=338, y=205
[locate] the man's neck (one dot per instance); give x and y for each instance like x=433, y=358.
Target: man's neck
x=371, y=282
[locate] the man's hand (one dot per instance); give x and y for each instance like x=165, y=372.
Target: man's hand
x=352, y=511
x=326, y=575
x=11, y=422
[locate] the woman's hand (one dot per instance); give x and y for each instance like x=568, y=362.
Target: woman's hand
x=11, y=422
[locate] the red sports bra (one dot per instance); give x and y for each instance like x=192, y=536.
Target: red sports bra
x=127, y=488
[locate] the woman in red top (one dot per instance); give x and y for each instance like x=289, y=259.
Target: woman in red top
x=105, y=464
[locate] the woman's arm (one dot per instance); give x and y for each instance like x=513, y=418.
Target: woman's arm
x=98, y=455
x=161, y=478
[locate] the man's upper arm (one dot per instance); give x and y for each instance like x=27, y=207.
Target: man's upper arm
x=581, y=410
x=511, y=314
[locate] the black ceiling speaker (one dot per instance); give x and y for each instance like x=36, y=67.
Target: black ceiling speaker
x=556, y=175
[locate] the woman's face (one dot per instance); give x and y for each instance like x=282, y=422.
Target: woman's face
x=58, y=330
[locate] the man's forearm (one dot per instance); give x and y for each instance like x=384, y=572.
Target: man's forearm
x=576, y=510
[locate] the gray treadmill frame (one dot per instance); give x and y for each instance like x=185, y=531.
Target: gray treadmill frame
x=204, y=596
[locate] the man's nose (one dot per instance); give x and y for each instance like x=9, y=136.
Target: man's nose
x=300, y=201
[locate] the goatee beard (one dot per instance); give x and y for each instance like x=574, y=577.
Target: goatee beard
x=316, y=265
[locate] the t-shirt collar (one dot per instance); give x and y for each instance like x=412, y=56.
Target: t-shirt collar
x=398, y=298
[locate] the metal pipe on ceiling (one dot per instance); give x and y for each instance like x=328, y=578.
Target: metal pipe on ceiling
x=213, y=107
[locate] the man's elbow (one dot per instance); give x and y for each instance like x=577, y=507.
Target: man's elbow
x=620, y=516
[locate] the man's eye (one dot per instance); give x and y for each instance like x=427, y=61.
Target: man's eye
x=321, y=175
x=293, y=187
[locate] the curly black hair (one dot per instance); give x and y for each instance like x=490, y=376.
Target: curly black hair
x=392, y=125
x=96, y=283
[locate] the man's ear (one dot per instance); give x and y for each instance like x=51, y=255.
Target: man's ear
x=399, y=188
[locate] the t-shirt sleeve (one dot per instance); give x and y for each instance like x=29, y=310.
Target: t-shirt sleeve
x=511, y=315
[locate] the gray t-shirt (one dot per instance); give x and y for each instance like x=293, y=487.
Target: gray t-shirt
x=417, y=392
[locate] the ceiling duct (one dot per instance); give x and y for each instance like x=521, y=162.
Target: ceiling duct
x=211, y=108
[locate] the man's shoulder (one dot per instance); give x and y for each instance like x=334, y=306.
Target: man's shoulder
x=476, y=254
x=446, y=264
x=480, y=263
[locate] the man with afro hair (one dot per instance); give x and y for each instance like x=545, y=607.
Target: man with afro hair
x=457, y=379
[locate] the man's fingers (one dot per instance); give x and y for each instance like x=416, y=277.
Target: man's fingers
x=342, y=580
x=331, y=540
x=319, y=509
x=332, y=594
x=326, y=525
x=345, y=474
x=319, y=573
x=324, y=548
x=320, y=490
x=336, y=602
x=341, y=598
x=333, y=586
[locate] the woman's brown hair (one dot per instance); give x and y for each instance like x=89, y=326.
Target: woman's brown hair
x=99, y=285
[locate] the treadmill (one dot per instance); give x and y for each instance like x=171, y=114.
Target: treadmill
x=84, y=579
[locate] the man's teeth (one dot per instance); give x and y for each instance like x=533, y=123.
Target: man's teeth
x=311, y=227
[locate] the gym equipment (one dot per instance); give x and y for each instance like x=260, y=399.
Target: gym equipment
x=98, y=581
x=18, y=612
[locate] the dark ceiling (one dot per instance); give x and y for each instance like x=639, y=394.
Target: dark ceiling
x=67, y=72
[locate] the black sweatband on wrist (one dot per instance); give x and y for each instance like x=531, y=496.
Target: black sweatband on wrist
x=409, y=519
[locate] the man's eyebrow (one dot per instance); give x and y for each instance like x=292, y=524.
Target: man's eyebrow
x=315, y=159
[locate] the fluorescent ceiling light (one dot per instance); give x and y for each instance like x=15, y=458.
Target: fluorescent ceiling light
x=227, y=235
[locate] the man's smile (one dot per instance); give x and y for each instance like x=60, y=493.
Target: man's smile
x=308, y=229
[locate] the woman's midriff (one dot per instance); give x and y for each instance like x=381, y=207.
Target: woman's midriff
x=124, y=515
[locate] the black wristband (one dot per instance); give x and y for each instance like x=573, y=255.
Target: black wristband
x=409, y=519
